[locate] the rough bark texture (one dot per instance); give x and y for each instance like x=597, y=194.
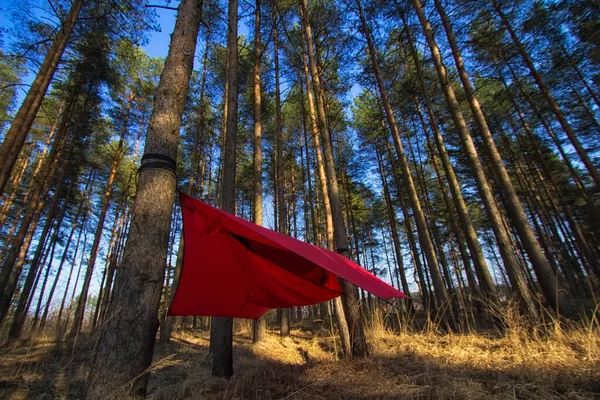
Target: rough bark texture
x=192, y=188
x=19, y=129
x=125, y=347
x=221, y=329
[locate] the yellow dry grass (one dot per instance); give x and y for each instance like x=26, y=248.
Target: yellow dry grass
x=559, y=364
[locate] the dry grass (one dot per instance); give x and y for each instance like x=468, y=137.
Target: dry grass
x=557, y=364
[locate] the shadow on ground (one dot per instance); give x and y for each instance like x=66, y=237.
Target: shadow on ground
x=295, y=368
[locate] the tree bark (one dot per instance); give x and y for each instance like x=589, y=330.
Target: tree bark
x=168, y=321
x=124, y=350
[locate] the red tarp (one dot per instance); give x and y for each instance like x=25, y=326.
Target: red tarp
x=234, y=268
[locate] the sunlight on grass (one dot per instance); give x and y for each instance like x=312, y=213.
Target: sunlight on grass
x=523, y=364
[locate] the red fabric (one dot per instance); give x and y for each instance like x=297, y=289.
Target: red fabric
x=234, y=268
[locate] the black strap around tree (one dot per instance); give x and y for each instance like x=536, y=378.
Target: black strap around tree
x=166, y=163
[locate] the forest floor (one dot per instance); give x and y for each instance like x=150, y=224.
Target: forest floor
x=303, y=366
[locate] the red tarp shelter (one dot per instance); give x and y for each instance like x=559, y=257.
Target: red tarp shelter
x=234, y=268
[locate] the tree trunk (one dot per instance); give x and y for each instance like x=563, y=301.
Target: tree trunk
x=573, y=172
x=282, y=223
x=340, y=315
x=16, y=181
x=259, y=328
x=353, y=315
x=493, y=212
x=424, y=237
x=393, y=228
x=167, y=321
x=64, y=256
x=15, y=259
x=125, y=346
x=428, y=303
x=464, y=219
x=560, y=117
x=551, y=287
x=65, y=295
x=115, y=259
x=221, y=330
x=78, y=317
x=28, y=287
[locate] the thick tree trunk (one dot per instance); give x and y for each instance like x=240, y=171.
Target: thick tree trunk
x=17, y=134
x=167, y=321
x=125, y=347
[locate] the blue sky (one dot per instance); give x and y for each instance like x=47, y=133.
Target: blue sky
x=157, y=46
x=158, y=43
